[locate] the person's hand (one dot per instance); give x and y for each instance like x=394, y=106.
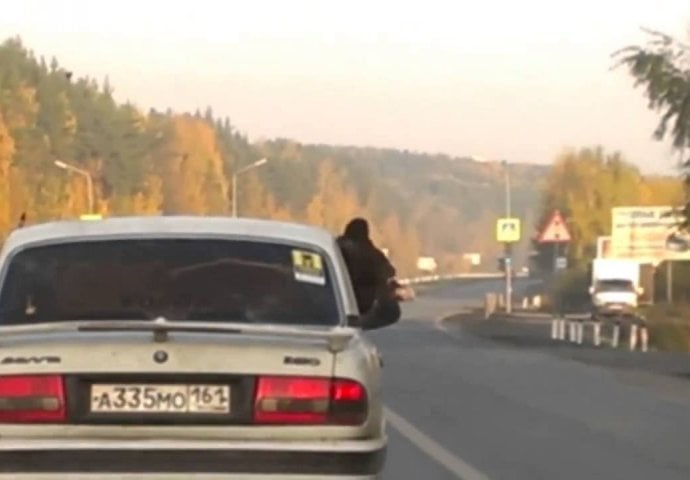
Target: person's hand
x=401, y=293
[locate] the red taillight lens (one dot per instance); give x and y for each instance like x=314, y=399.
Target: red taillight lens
x=347, y=391
x=35, y=398
x=348, y=402
x=309, y=401
x=291, y=400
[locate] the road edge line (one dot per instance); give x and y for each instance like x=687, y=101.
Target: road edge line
x=454, y=464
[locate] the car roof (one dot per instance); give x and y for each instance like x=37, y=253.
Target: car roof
x=170, y=225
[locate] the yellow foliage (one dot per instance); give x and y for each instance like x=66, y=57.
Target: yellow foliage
x=253, y=198
x=192, y=170
x=586, y=184
x=334, y=203
x=149, y=201
x=6, y=153
x=402, y=243
x=22, y=110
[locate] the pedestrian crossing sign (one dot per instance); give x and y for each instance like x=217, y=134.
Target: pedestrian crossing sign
x=508, y=230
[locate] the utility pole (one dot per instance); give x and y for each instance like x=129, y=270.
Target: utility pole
x=669, y=281
x=234, y=195
x=508, y=249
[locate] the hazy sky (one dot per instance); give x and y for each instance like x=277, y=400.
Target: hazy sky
x=509, y=79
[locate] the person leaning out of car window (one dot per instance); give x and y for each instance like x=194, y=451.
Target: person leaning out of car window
x=376, y=289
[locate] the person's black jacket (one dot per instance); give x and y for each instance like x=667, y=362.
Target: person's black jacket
x=371, y=274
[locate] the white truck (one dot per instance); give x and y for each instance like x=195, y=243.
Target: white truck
x=615, y=287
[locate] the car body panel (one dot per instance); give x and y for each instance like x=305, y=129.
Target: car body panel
x=180, y=476
x=66, y=349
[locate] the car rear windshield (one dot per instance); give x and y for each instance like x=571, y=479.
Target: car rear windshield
x=189, y=279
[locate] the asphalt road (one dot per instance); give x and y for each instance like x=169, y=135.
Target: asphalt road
x=461, y=406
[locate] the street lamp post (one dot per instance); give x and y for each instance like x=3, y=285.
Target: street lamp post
x=85, y=174
x=251, y=166
x=508, y=249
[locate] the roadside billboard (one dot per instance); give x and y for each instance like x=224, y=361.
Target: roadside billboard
x=645, y=234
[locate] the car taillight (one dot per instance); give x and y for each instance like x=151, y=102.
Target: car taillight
x=309, y=401
x=32, y=399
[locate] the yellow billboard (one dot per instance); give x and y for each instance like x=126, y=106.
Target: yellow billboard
x=647, y=234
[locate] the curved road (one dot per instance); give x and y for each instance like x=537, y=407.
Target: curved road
x=468, y=408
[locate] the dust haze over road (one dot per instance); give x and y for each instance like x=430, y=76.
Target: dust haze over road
x=467, y=407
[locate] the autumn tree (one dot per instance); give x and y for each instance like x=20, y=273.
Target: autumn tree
x=402, y=243
x=6, y=153
x=335, y=203
x=192, y=169
x=662, y=67
x=585, y=185
x=256, y=201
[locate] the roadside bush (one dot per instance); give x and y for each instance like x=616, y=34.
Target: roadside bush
x=669, y=326
x=681, y=282
x=670, y=337
x=569, y=290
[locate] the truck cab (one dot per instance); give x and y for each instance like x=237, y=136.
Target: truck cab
x=614, y=296
x=615, y=288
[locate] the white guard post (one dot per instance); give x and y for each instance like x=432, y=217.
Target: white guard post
x=616, y=335
x=596, y=334
x=633, y=337
x=580, y=331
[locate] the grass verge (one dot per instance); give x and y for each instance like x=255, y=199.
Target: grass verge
x=669, y=326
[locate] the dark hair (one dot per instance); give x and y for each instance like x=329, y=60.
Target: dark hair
x=357, y=229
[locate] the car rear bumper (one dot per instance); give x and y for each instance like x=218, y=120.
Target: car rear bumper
x=82, y=459
x=179, y=476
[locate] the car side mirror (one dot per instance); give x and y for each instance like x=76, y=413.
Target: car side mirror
x=381, y=315
x=591, y=290
x=366, y=322
x=640, y=290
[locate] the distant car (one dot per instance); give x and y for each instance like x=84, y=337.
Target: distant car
x=204, y=347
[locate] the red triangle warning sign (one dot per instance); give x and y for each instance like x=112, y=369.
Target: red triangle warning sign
x=555, y=231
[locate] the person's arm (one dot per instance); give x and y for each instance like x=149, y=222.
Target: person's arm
x=384, y=312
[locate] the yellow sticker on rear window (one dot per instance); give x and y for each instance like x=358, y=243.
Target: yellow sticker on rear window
x=308, y=267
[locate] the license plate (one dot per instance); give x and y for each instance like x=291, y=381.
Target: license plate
x=153, y=398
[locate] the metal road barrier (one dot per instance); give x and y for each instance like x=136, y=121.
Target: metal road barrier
x=571, y=328
x=454, y=276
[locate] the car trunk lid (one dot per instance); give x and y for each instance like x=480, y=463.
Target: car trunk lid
x=138, y=373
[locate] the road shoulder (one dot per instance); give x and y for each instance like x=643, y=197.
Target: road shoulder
x=667, y=372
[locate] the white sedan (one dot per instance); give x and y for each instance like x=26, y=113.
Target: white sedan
x=184, y=347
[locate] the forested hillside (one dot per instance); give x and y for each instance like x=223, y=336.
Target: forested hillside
x=169, y=163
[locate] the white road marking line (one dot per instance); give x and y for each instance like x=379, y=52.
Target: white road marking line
x=428, y=445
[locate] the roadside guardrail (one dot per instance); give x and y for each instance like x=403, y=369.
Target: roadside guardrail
x=572, y=328
x=455, y=276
